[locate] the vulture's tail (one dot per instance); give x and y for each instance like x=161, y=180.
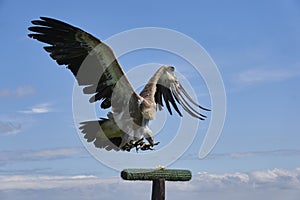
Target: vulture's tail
x=105, y=133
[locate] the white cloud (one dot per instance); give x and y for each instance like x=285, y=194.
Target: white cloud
x=9, y=127
x=38, y=109
x=278, y=178
x=275, y=178
x=46, y=181
x=278, y=152
x=34, y=155
x=18, y=92
x=239, y=155
x=254, y=76
x=51, y=153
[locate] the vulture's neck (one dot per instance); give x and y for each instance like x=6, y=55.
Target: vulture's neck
x=150, y=88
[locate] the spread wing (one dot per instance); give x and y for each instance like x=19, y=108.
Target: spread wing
x=170, y=90
x=91, y=61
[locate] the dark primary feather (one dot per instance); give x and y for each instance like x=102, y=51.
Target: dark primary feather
x=65, y=47
x=162, y=91
x=190, y=98
x=186, y=106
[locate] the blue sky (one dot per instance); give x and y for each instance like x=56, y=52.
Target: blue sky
x=255, y=45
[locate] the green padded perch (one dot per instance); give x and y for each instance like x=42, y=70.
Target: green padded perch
x=154, y=174
x=158, y=178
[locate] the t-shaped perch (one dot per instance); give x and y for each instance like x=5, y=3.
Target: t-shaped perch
x=158, y=178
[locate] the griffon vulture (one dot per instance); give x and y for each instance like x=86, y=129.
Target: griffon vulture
x=95, y=66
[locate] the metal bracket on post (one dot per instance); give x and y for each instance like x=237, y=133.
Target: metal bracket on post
x=158, y=178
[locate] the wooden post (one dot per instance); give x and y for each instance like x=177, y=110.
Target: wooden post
x=158, y=178
x=158, y=189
